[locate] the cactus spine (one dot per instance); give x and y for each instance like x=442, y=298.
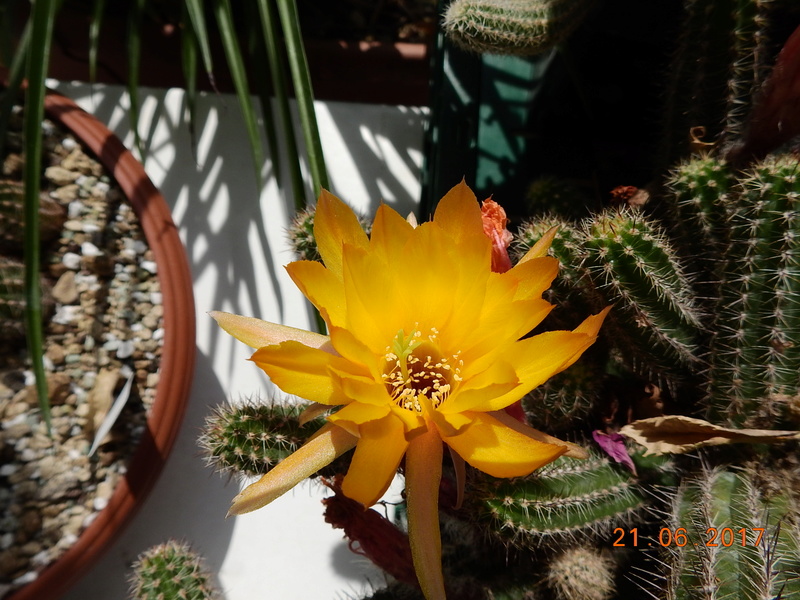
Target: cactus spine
x=581, y=573
x=756, y=351
x=737, y=544
x=170, y=571
x=252, y=438
x=520, y=27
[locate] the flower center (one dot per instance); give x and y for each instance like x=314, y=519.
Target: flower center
x=416, y=374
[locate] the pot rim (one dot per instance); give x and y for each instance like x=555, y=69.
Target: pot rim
x=177, y=360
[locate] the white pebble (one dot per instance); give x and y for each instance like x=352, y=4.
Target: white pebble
x=158, y=334
x=100, y=503
x=149, y=266
x=68, y=314
x=71, y=260
x=8, y=469
x=69, y=144
x=139, y=246
x=156, y=298
x=75, y=209
x=26, y=578
x=6, y=540
x=102, y=187
x=125, y=349
x=89, y=249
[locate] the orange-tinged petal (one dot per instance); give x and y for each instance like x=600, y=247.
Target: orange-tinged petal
x=541, y=247
x=378, y=454
x=312, y=411
x=573, y=450
x=534, y=276
x=257, y=333
x=329, y=443
x=459, y=214
x=335, y=224
x=322, y=288
x=389, y=234
x=491, y=446
x=423, y=475
x=300, y=370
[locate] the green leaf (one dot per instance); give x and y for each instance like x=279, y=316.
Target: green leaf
x=94, y=37
x=189, y=45
x=301, y=78
x=197, y=25
x=134, y=60
x=222, y=11
x=42, y=19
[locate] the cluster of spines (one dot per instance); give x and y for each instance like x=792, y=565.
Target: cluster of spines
x=567, y=500
x=699, y=203
x=171, y=571
x=727, y=540
x=581, y=573
x=301, y=234
x=251, y=438
x=513, y=26
x=755, y=354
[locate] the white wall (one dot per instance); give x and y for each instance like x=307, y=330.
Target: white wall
x=235, y=240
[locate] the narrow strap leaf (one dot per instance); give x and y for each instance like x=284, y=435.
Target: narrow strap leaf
x=197, y=22
x=189, y=44
x=42, y=19
x=134, y=60
x=301, y=78
x=94, y=37
x=222, y=10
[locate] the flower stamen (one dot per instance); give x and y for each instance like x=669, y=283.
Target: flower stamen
x=415, y=370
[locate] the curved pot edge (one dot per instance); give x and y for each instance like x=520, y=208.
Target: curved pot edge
x=178, y=353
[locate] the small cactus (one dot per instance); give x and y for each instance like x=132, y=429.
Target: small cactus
x=252, y=438
x=171, y=571
x=520, y=27
x=581, y=573
x=301, y=234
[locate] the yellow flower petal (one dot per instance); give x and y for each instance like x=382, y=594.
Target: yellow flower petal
x=423, y=474
x=302, y=371
x=257, y=333
x=459, y=214
x=534, y=276
x=355, y=414
x=541, y=247
x=335, y=225
x=322, y=288
x=329, y=443
x=378, y=454
x=494, y=448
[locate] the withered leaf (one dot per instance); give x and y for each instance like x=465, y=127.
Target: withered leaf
x=676, y=434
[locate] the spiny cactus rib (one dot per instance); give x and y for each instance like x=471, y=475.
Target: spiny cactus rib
x=699, y=199
x=171, y=571
x=520, y=27
x=655, y=322
x=567, y=500
x=716, y=511
x=252, y=438
x=755, y=354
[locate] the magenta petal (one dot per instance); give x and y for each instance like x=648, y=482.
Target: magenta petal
x=613, y=444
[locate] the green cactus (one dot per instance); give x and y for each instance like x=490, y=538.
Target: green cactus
x=520, y=27
x=566, y=401
x=755, y=356
x=581, y=573
x=251, y=438
x=655, y=321
x=170, y=571
x=699, y=202
x=569, y=499
x=727, y=538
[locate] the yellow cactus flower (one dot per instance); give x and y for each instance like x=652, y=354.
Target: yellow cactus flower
x=426, y=349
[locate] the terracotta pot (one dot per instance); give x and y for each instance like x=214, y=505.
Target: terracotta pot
x=177, y=361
